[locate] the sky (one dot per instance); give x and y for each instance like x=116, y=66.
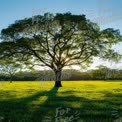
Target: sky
x=107, y=13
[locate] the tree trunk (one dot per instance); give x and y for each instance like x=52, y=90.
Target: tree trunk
x=10, y=81
x=58, y=78
x=11, y=78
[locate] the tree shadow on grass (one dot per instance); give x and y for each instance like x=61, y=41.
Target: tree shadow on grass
x=19, y=110
x=32, y=109
x=90, y=110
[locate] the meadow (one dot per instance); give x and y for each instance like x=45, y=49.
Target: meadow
x=86, y=101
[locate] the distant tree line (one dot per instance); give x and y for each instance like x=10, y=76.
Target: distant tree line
x=102, y=73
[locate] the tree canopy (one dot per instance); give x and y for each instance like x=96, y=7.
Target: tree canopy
x=57, y=41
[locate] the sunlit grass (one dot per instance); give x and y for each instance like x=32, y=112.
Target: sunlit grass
x=32, y=101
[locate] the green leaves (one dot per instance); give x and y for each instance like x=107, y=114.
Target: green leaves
x=58, y=40
x=111, y=55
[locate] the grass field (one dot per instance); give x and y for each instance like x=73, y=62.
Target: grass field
x=96, y=101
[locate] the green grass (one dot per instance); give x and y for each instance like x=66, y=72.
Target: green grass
x=96, y=101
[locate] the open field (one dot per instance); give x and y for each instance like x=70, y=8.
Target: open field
x=96, y=101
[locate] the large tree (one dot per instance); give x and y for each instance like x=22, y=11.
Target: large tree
x=57, y=41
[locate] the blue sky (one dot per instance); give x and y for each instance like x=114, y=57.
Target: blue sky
x=96, y=10
x=107, y=13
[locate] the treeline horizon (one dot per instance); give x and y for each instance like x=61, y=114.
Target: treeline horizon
x=103, y=73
